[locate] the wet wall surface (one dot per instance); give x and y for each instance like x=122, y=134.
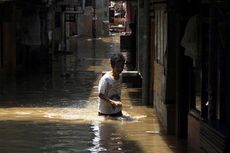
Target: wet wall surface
x=56, y=112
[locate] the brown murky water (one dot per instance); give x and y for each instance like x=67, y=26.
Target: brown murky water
x=57, y=113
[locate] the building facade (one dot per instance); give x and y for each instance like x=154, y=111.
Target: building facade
x=187, y=70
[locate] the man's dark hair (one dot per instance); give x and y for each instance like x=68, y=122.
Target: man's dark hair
x=115, y=58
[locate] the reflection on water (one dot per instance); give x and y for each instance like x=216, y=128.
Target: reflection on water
x=57, y=113
x=47, y=129
x=97, y=139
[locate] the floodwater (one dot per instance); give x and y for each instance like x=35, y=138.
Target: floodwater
x=57, y=112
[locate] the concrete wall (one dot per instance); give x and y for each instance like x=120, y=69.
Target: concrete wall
x=29, y=39
x=102, y=12
x=9, y=49
x=194, y=133
x=102, y=19
x=29, y=26
x=8, y=45
x=85, y=22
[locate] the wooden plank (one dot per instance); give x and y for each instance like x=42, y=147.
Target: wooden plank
x=212, y=141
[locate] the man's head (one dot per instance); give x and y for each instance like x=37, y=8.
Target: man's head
x=117, y=61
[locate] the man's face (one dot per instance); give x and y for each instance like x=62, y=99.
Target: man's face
x=118, y=68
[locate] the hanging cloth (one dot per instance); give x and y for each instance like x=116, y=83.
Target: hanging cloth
x=190, y=38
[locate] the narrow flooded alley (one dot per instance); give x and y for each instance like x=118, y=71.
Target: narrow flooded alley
x=57, y=112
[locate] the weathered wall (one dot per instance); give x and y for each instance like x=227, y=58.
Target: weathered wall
x=165, y=112
x=102, y=19
x=30, y=38
x=102, y=12
x=85, y=22
x=194, y=133
x=8, y=46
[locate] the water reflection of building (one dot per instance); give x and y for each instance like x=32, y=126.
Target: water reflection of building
x=31, y=32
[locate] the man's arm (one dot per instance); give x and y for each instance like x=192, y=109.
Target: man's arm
x=112, y=102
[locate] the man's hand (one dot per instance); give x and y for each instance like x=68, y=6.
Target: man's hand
x=116, y=104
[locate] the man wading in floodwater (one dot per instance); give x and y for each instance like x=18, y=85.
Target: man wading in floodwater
x=110, y=88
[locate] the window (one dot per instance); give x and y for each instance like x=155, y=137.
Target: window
x=88, y=3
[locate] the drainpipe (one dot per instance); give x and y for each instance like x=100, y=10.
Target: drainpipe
x=146, y=67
